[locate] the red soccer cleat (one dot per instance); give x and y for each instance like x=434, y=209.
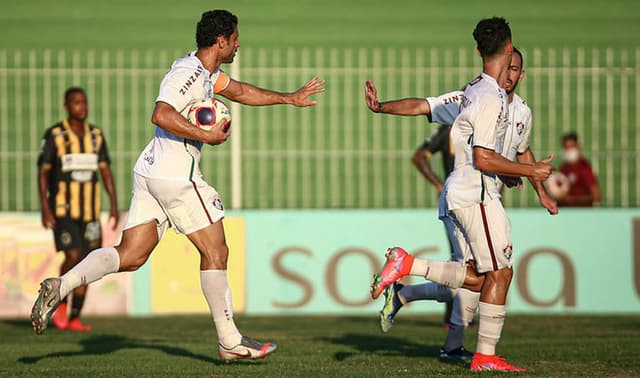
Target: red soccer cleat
x=60, y=317
x=398, y=265
x=76, y=325
x=485, y=362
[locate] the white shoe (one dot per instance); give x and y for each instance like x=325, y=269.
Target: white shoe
x=47, y=301
x=247, y=349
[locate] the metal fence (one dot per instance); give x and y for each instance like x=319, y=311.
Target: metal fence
x=336, y=154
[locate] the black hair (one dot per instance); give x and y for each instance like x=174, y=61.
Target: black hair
x=516, y=51
x=491, y=35
x=70, y=91
x=213, y=24
x=570, y=136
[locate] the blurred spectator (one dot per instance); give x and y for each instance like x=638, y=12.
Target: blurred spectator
x=584, y=190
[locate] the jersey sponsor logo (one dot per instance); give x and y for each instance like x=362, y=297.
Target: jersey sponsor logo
x=79, y=162
x=453, y=99
x=192, y=79
x=519, y=128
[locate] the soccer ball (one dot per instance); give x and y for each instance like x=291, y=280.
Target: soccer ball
x=557, y=185
x=206, y=112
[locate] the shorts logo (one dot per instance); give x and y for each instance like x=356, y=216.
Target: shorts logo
x=217, y=203
x=508, y=251
x=65, y=238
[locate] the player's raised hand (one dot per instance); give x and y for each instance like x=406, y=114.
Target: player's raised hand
x=371, y=96
x=217, y=134
x=300, y=97
x=542, y=169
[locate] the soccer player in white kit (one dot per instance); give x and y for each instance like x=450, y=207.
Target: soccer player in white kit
x=470, y=203
x=169, y=190
x=445, y=109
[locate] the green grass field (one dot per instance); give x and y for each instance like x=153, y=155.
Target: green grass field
x=558, y=346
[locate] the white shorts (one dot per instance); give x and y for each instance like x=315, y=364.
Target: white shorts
x=187, y=206
x=482, y=233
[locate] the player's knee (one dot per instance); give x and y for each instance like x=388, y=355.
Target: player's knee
x=131, y=264
x=215, y=257
x=474, y=283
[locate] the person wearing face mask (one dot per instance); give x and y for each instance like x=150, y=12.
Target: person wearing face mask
x=584, y=190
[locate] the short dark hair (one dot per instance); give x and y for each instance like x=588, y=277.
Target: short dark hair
x=570, y=136
x=213, y=24
x=516, y=51
x=491, y=35
x=70, y=91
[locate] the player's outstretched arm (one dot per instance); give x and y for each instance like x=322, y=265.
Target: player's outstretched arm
x=166, y=117
x=488, y=160
x=545, y=199
x=404, y=107
x=249, y=94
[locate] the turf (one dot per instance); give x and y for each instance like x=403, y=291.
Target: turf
x=595, y=346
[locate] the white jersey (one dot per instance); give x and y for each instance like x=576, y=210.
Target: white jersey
x=445, y=108
x=482, y=122
x=516, y=140
x=169, y=156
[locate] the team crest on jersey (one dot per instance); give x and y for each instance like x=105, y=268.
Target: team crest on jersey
x=508, y=251
x=217, y=203
x=519, y=128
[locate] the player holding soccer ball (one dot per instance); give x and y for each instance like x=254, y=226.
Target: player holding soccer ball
x=470, y=203
x=169, y=190
x=445, y=109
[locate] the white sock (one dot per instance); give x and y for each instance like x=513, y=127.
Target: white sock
x=465, y=303
x=490, y=327
x=447, y=273
x=428, y=290
x=97, y=264
x=215, y=288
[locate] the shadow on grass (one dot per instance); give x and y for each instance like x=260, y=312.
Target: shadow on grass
x=105, y=344
x=383, y=345
x=18, y=323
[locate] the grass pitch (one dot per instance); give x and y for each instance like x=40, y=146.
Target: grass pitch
x=594, y=346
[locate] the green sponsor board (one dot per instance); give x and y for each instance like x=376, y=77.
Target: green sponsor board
x=581, y=261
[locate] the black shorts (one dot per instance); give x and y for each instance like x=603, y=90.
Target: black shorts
x=74, y=234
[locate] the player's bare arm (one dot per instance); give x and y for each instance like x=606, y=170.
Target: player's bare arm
x=404, y=107
x=249, y=94
x=107, y=180
x=165, y=116
x=488, y=160
x=48, y=220
x=421, y=160
x=545, y=199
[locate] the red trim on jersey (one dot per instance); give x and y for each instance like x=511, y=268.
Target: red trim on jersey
x=486, y=232
x=201, y=201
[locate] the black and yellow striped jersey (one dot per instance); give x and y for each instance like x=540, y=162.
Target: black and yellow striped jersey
x=73, y=161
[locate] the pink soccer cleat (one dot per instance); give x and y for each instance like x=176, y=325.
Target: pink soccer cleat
x=398, y=265
x=485, y=362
